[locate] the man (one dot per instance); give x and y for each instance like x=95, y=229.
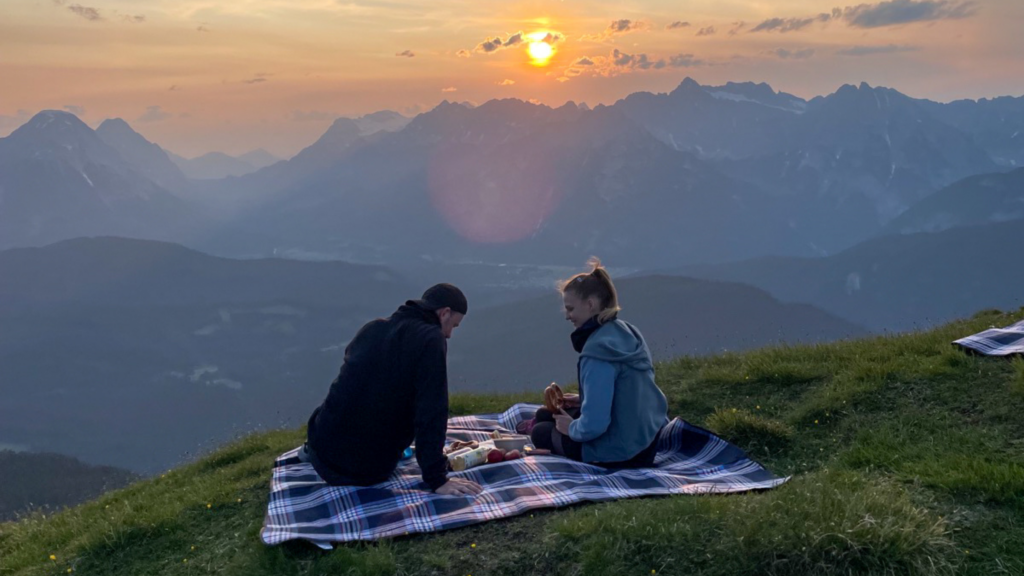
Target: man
x=392, y=389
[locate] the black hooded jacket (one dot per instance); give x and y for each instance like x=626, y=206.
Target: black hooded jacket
x=392, y=389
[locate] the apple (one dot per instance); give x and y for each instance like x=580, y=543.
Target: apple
x=495, y=456
x=513, y=455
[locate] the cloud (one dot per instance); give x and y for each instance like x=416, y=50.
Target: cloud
x=636, y=61
x=736, y=27
x=463, y=53
x=619, y=62
x=202, y=28
x=406, y=53
x=257, y=78
x=677, y=24
x=153, y=114
x=506, y=82
x=872, y=50
x=449, y=89
x=786, y=54
x=496, y=43
x=87, y=12
x=492, y=45
x=906, y=11
x=173, y=88
x=552, y=38
x=783, y=25
x=888, y=13
x=685, y=61
x=74, y=109
x=134, y=18
x=616, y=28
x=313, y=116
x=707, y=31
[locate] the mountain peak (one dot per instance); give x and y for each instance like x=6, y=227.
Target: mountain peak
x=53, y=121
x=115, y=124
x=687, y=86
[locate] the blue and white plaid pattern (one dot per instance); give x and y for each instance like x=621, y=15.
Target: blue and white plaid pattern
x=690, y=460
x=996, y=341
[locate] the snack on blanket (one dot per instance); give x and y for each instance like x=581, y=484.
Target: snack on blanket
x=467, y=460
x=553, y=398
x=459, y=445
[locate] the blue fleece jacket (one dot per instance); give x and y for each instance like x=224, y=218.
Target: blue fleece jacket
x=623, y=409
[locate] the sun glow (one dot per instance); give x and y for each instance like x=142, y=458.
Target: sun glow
x=539, y=48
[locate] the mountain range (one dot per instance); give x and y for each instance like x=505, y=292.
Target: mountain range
x=215, y=165
x=701, y=174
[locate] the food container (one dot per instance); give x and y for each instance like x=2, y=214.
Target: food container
x=465, y=460
x=507, y=443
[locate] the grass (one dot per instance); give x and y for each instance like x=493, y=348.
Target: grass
x=907, y=457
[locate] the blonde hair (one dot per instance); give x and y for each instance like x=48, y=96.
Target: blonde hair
x=595, y=283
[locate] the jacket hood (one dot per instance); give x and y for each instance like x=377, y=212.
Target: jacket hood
x=619, y=341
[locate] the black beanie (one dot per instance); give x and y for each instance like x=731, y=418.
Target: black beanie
x=445, y=296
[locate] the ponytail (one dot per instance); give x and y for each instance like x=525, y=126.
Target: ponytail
x=597, y=283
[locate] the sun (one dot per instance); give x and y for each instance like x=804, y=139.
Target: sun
x=539, y=49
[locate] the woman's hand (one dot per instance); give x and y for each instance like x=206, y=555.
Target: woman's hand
x=562, y=421
x=459, y=487
x=571, y=401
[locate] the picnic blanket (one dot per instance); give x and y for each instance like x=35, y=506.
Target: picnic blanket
x=996, y=341
x=690, y=460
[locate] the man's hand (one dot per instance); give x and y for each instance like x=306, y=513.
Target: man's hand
x=562, y=421
x=571, y=401
x=459, y=487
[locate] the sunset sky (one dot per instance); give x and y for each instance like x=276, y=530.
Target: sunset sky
x=202, y=75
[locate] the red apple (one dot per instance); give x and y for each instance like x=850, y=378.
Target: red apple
x=495, y=456
x=513, y=455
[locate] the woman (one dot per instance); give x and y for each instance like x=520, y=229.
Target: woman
x=615, y=419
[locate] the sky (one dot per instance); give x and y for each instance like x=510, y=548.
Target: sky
x=202, y=75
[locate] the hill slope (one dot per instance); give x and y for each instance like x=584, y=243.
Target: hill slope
x=901, y=282
x=975, y=200
x=526, y=344
x=52, y=481
x=905, y=454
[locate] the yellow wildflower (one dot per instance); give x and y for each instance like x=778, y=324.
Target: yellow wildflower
x=208, y=505
x=473, y=545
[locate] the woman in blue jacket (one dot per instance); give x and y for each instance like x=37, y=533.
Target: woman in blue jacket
x=615, y=419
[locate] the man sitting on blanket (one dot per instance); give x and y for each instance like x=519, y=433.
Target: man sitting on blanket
x=392, y=389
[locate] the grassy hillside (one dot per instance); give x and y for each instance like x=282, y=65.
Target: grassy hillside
x=907, y=457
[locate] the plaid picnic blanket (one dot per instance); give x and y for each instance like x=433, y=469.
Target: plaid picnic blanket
x=996, y=341
x=690, y=460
